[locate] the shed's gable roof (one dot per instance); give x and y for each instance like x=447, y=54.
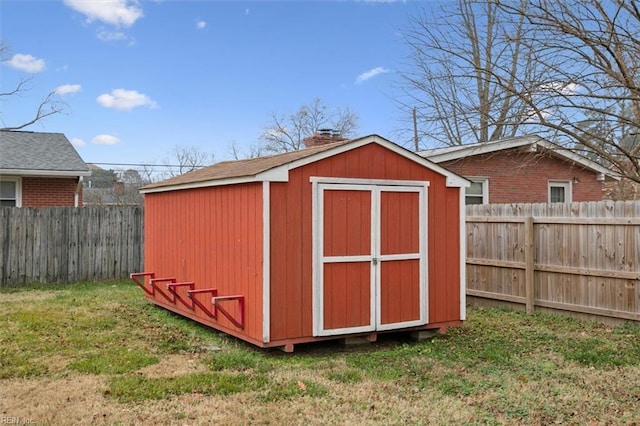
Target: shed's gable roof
x=40, y=154
x=276, y=167
x=440, y=155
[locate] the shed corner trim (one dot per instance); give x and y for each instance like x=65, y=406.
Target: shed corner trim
x=276, y=174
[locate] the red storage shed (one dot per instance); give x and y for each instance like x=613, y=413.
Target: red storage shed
x=350, y=238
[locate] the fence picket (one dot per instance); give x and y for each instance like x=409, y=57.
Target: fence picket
x=585, y=257
x=60, y=244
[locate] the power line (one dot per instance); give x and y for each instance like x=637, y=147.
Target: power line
x=144, y=165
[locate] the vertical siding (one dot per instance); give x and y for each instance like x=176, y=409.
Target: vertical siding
x=212, y=236
x=291, y=236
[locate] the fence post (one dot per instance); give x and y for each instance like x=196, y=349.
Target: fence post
x=529, y=280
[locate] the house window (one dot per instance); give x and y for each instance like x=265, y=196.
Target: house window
x=559, y=191
x=478, y=192
x=10, y=192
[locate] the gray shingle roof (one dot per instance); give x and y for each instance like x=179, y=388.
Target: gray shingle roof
x=42, y=152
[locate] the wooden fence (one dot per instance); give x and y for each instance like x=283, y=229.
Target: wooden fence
x=65, y=244
x=582, y=258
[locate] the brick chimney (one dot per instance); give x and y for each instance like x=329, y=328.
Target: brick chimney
x=323, y=137
x=118, y=188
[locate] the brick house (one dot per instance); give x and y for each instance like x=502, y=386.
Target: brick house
x=525, y=169
x=40, y=170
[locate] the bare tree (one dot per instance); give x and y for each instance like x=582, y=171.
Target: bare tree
x=50, y=105
x=457, y=57
x=287, y=133
x=252, y=151
x=183, y=159
x=591, y=93
x=567, y=70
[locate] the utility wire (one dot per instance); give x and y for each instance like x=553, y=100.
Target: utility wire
x=145, y=165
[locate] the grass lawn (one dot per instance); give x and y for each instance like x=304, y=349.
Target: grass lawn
x=101, y=354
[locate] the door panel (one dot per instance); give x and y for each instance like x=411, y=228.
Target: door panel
x=399, y=222
x=347, y=223
x=399, y=292
x=347, y=293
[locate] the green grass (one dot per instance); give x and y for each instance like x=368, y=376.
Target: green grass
x=135, y=388
x=117, y=361
x=500, y=367
x=98, y=329
x=243, y=360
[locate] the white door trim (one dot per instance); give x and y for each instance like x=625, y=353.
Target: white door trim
x=421, y=255
x=376, y=187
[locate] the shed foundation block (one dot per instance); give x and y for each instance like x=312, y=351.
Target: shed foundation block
x=359, y=340
x=421, y=335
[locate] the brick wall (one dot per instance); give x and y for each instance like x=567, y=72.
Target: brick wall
x=516, y=176
x=49, y=192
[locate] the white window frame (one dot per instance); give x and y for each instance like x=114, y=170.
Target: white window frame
x=18, y=182
x=565, y=184
x=485, y=188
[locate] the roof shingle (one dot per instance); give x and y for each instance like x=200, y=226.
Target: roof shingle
x=242, y=168
x=36, y=151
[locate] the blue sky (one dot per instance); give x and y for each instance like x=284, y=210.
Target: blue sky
x=142, y=77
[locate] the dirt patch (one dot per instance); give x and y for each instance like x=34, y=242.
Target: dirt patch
x=174, y=365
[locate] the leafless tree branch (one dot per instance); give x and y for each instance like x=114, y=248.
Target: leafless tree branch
x=285, y=134
x=50, y=105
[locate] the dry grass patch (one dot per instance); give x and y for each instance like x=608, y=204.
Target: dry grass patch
x=173, y=365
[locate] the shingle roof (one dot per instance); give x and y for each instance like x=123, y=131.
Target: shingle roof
x=242, y=168
x=275, y=168
x=39, y=152
x=440, y=155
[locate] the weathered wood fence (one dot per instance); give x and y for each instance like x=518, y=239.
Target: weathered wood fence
x=65, y=244
x=582, y=258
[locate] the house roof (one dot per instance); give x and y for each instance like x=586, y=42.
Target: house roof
x=276, y=167
x=39, y=154
x=440, y=155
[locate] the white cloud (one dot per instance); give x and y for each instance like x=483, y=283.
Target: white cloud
x=77, y=142
x=67, y=88
x=27, y=63
x=120, y=13
x=105, y=140
x=561, y=88
x=106, y=35
x=125, y=100
x=370, y=74
x=200, y=24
